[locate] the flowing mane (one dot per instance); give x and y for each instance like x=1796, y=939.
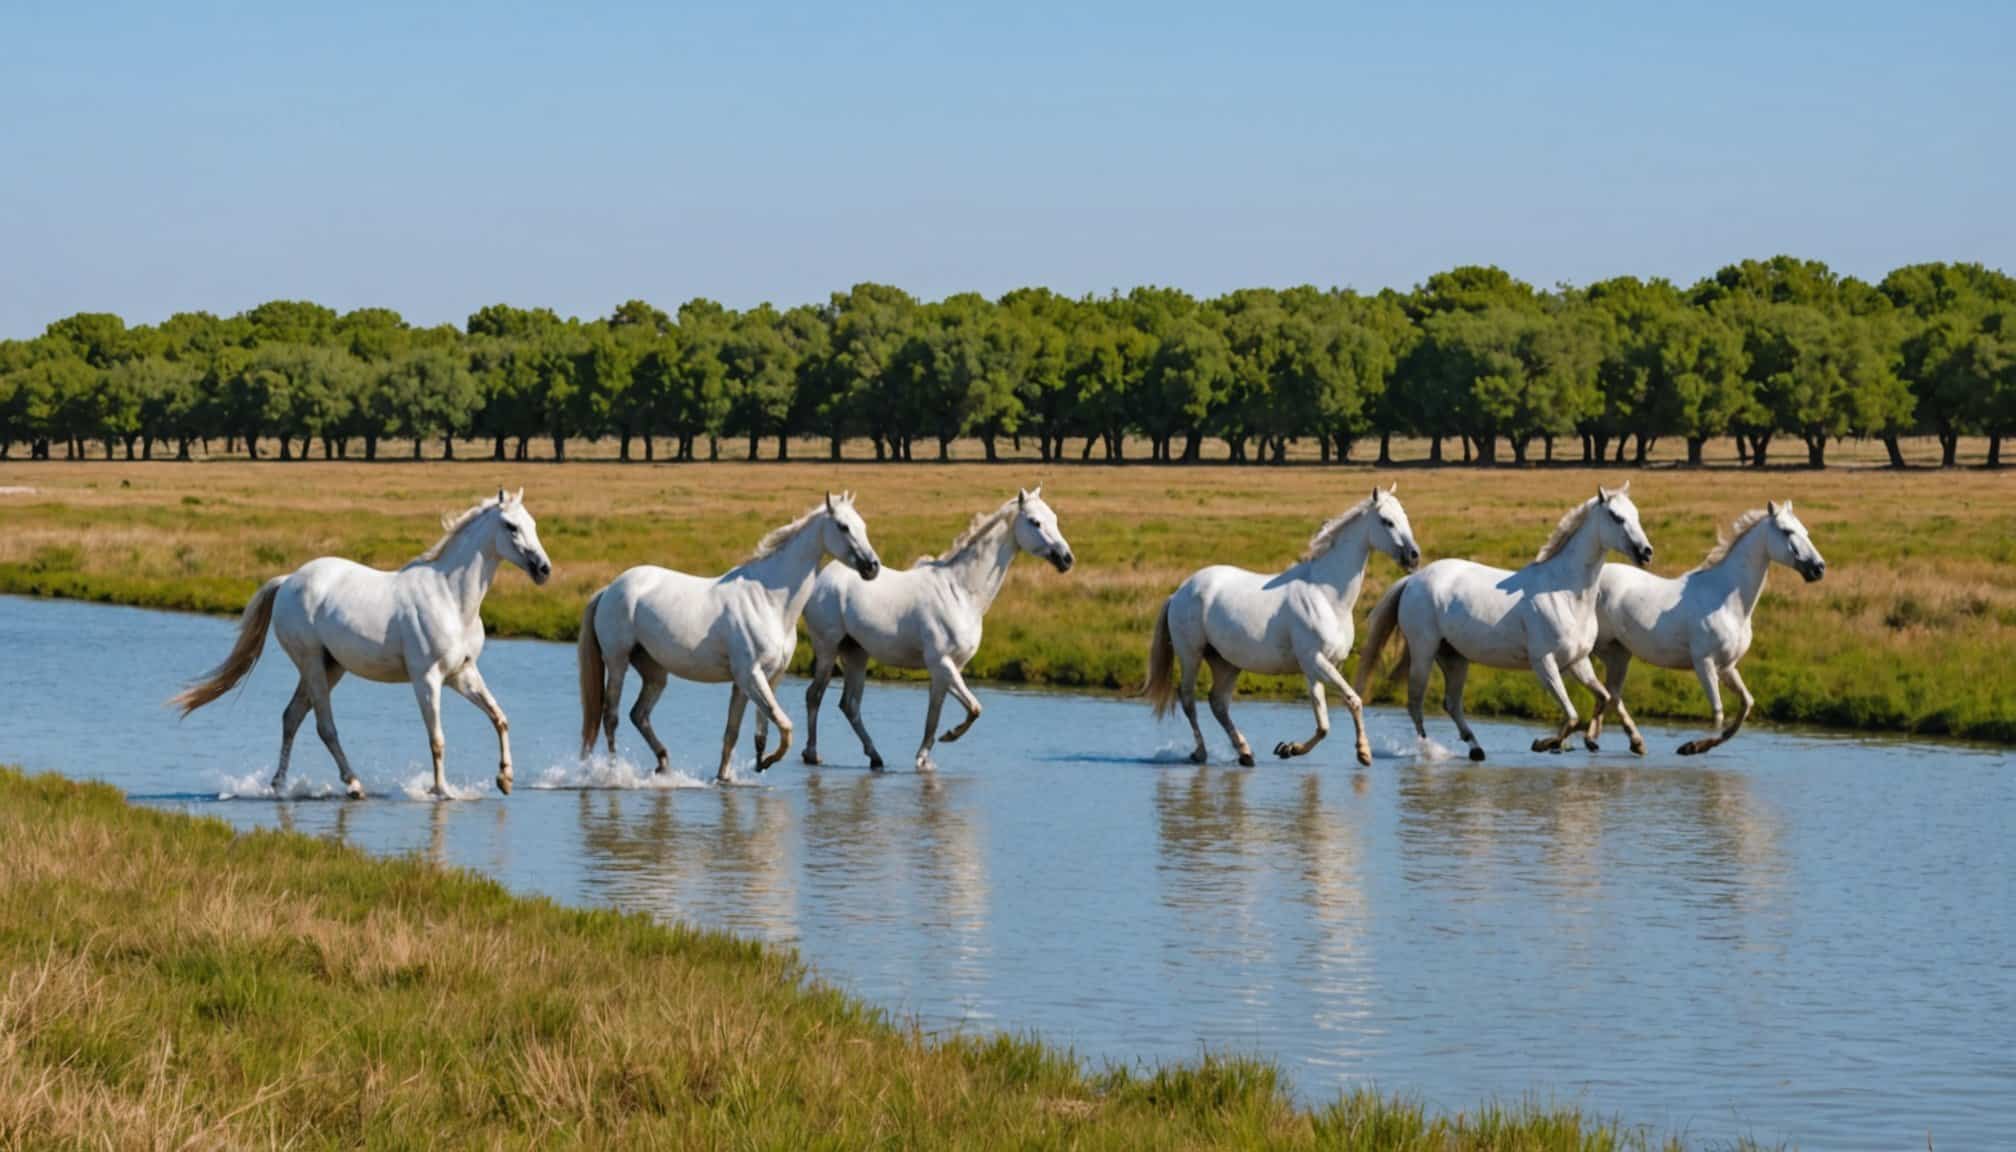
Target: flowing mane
x=452, y=525
x=1724, y=541
x=1326, y=536
x=1565, y=531
x=980, y=527
x=781, y=535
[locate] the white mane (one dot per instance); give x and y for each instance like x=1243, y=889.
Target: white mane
x=1724, y=541
x=1565, y=530
x=982, y=526
x=452, y=525
x=781, y=535
x=1326, y=536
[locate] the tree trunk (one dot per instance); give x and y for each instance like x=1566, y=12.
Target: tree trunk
x=1435, y=450
x=1816, y=451
x=1385, y=449
x=1896, y=449
x=1547, y=442
x=713, y=447
x=650, y=451
x=448, y=446
x=182, y=448
x=416, y=447
x=1344, y=444
x=1519, y=449
x=1323, y=444
x=1949, y=447
x=1995, y=450
x=987, y=442
x=623, y=445
x=1467, y=456
x=755, y=442
x=1742, y=449
x=559, y=449
x=1193, y=445
x=783, y=446
x=370, y=446
x=1694, y=446
x=833, y=447
x=1760, y=446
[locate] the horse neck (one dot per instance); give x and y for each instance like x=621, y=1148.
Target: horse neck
x=786, y=575
x=1580, y=561
x=982, y=566
x=1745, y=566
x=1341, y=568
x=468, y=564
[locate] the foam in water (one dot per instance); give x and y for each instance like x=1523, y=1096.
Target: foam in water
x=1424, y=749
x=605, y=772
x=258, y=785
x=420, y=786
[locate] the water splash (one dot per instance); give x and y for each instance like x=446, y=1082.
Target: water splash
x=420, y=786
x=258, y=785
x=604, y=772
x=1422, y=749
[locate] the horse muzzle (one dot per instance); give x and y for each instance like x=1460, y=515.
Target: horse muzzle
x=1410, y=560
x=1062, y=561
x=1813, y=571
x=1643, y=556
x=868, y=568
x=540, y=571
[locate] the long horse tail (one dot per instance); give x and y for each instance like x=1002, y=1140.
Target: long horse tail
x=244, y=653
x=1161, y=686
x=588, y=655
x=1379, y=628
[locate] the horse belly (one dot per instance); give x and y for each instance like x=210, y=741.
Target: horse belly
x=1257, y=645
x=1490, y=639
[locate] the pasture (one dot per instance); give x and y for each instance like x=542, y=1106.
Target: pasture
x=1909, y=631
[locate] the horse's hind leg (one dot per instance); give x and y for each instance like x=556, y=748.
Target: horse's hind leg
x=967, y=700
x=616, y=665
x=854, y=665
x=1710, y=677
x=1420, y=665
x=1586, y=674
x=1186, y=694
x=320, y=676
x=1455, y=673
x=1224, y=682
x=815, y=695
x=652, y=687
x=1616, y=665
x=427, y=689
x=763, y=725
x=940, y=685
x=1735, y=680
x=1549, y=671
x=290, y=722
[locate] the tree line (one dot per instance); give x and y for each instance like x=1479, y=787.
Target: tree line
x=1761, y=350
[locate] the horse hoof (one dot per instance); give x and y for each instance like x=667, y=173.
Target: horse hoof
x=1284, y=750
x=504, y=784
x=1543, y=745
x=355, y=789
x=1476, y=754
x=1245, y=759
x=951, y=736
x=1693, y=747
x=1589, y=742
x=875, y=763
x=810, y=757
x=1200, y=756
x=1365, y=757
x=1638, y=747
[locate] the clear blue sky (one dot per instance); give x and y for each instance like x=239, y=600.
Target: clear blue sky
x=437, y=157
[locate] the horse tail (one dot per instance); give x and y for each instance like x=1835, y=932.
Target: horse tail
x=1379, y=627
x=244, y=653
x=588, y=655
x=1161, y=686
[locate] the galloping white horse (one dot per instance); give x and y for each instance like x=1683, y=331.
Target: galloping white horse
x=928, y=617
x=419, y=624
x=1700, y=620
x=1543, y=616
x=1298, y=620
x=741, y=627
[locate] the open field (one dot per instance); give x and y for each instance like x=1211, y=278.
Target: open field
x=170, y=983
x=1909, y=632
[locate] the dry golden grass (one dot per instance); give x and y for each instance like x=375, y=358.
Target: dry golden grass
x=1907, y=632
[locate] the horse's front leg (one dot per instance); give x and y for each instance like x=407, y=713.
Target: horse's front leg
x=766, y=700
x=1549, y=671
x=940, y=684
x=1710, y=677
x=290, y=723
x=967, y=700
x=737, y=700
x=1749, y=702
x=1617, y=665
x=468, y=683
x=815, y=695
x=1585, y=673
x=427, y=688
x=1224, y=682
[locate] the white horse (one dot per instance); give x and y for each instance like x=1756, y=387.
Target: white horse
x=1293, y=621
x=741, y=628
x=420, y=624
x=1700, y=620
x=1543, y=617
x=927, y=617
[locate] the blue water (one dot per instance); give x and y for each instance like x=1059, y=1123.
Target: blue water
x=1796, y=937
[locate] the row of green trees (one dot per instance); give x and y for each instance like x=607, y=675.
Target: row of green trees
x=1761, y=350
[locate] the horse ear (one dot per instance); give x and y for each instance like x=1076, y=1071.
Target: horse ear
x=519, y=498
x=1602, y=494
x=501, y=497
x=1375, y=495
x=1393, y=488
x=829, y=501
x=1625, y=488
x=1771, y=508
x=1021, y=497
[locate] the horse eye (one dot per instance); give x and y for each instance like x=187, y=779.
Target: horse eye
x=1386, y=520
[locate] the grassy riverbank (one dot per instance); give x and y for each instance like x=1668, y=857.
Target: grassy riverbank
x=1908, y=633
x=172, y=983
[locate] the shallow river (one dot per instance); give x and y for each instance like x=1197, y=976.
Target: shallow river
x=1796, y=937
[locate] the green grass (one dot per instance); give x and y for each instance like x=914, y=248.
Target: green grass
x=1908, y=633
x=169, y=983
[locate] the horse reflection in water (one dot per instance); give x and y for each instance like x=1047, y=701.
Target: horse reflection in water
x=923, y=860
x=657, y=851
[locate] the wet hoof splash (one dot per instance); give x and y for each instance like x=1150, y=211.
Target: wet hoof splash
x=1476, y=754
x=1246, y=760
